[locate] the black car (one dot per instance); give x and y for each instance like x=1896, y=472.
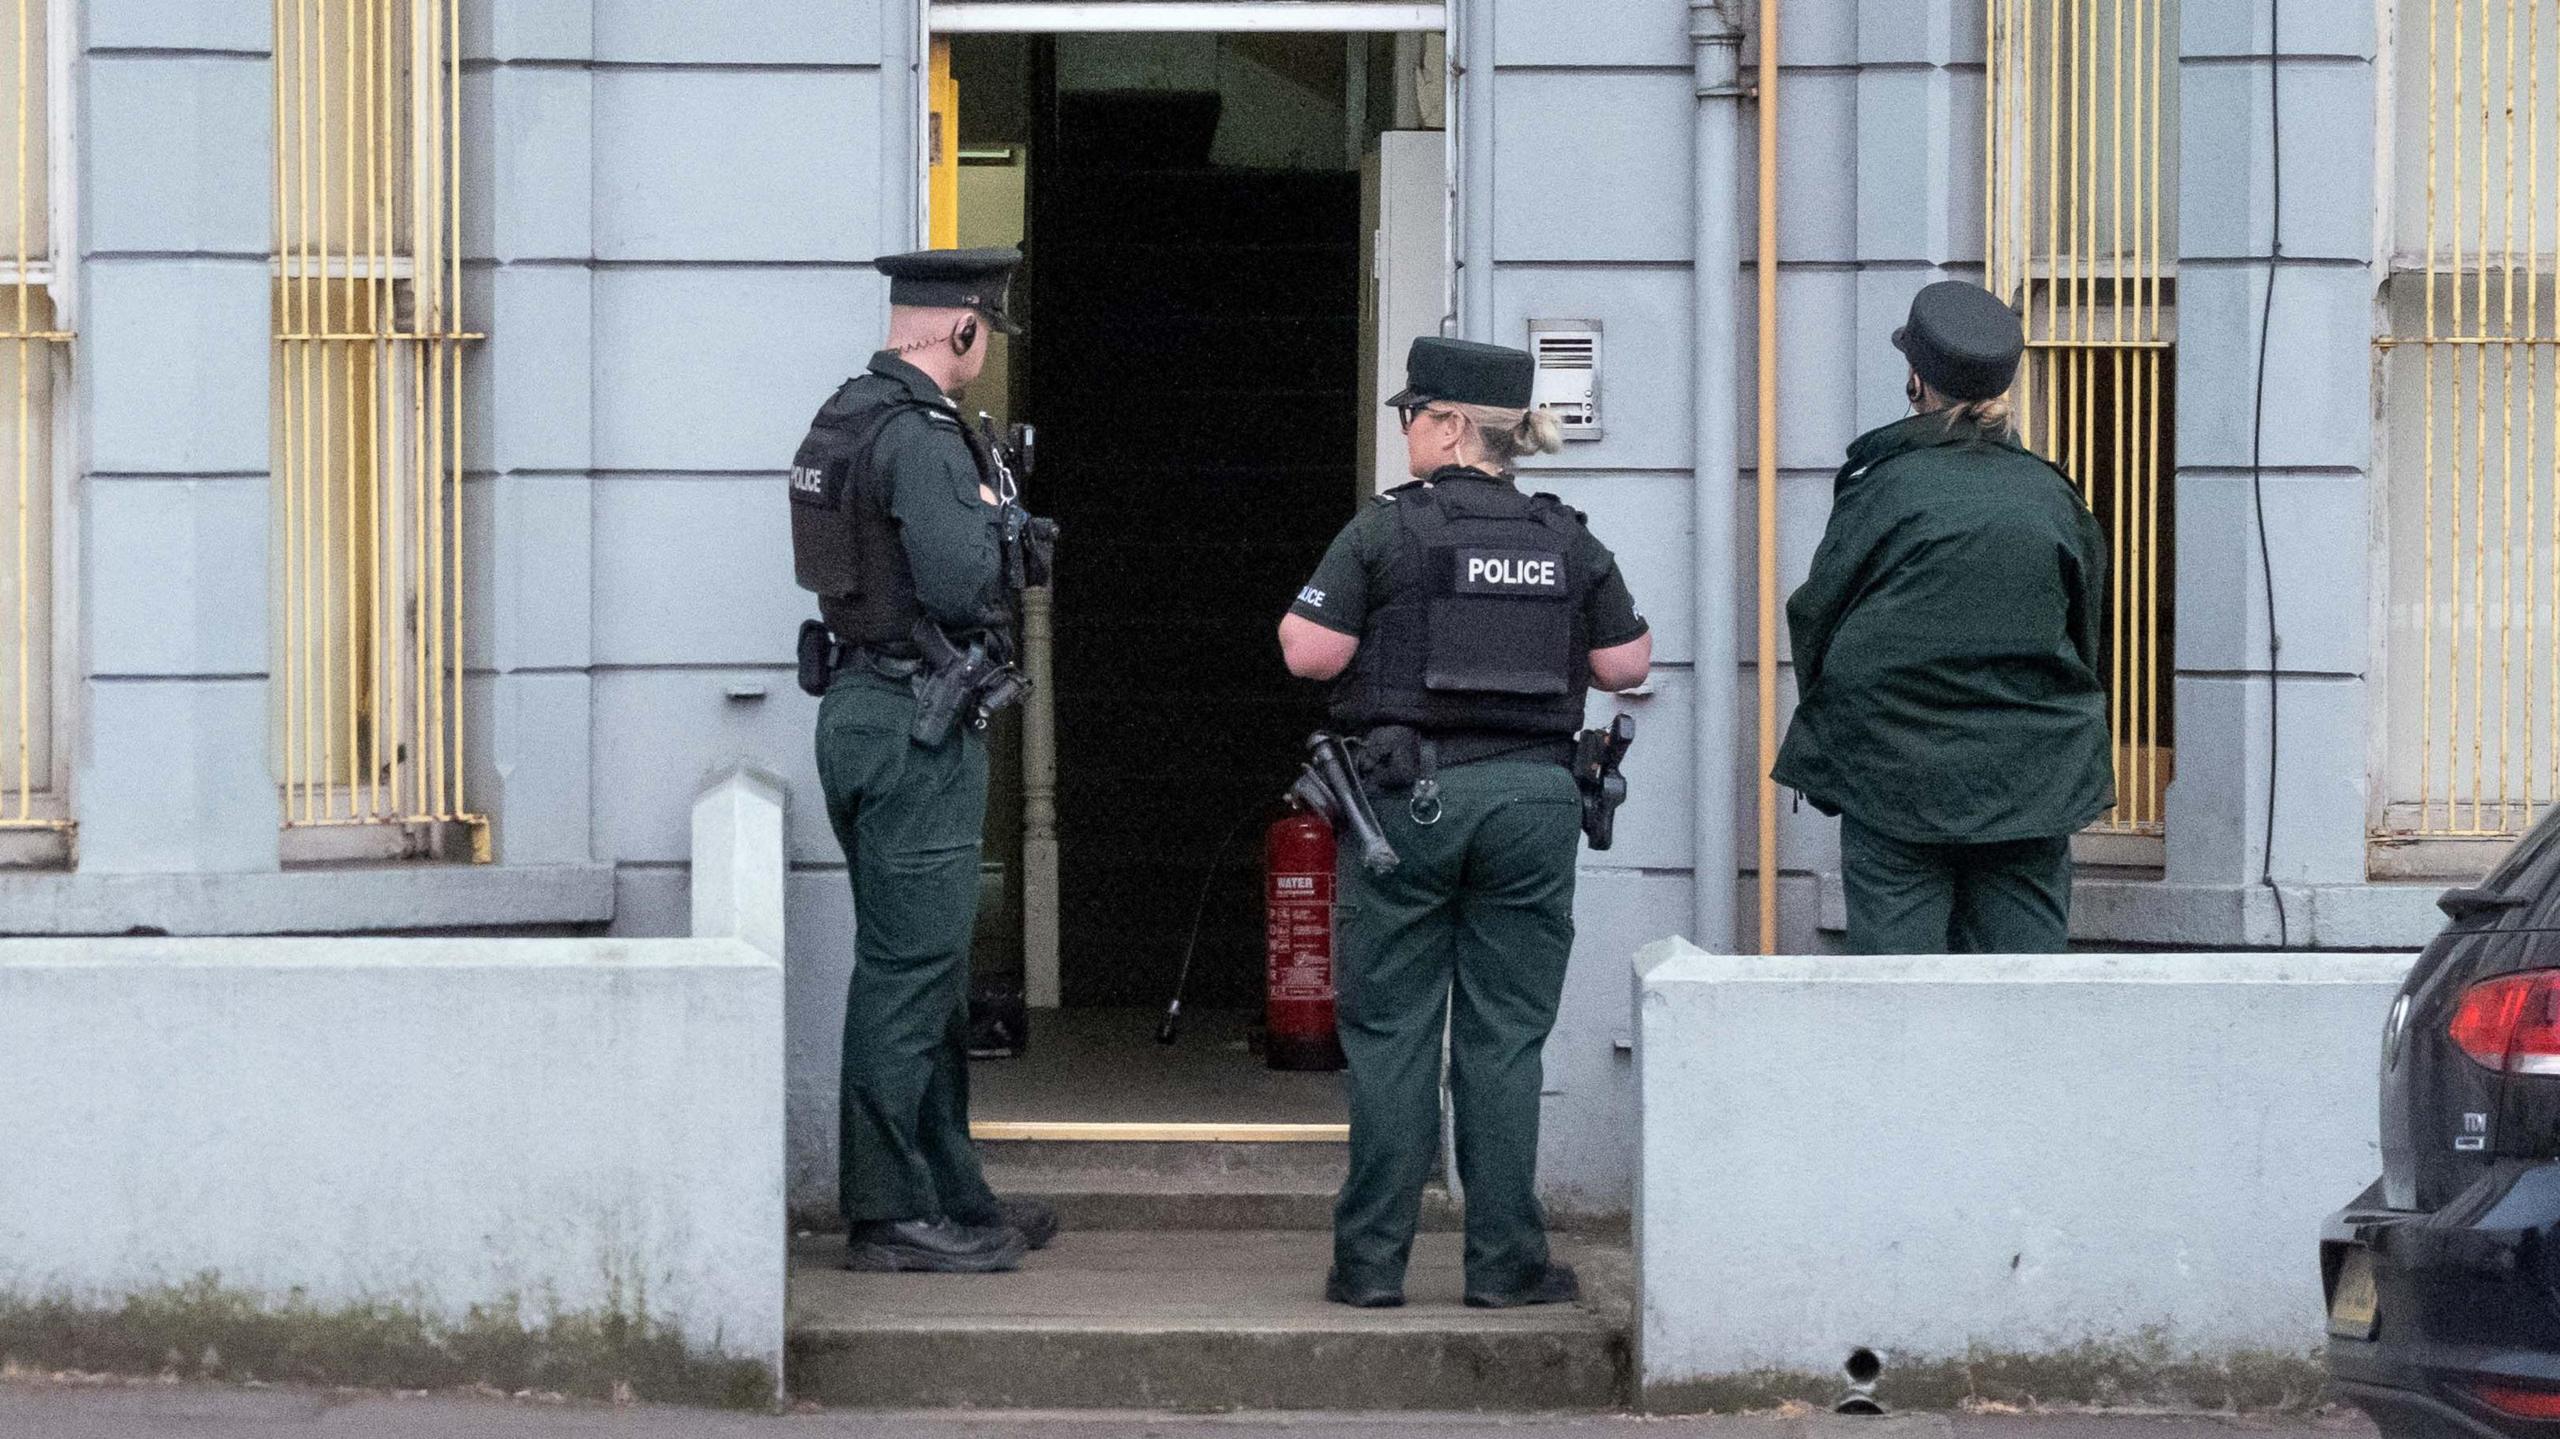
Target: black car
x=2443, y=1277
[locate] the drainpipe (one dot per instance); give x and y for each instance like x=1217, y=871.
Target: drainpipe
x=1715, y=36
x=1475, y=147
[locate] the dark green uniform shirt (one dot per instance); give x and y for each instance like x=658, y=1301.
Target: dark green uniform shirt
x=1353, y=574
x=1946, y=644
x=930, y=479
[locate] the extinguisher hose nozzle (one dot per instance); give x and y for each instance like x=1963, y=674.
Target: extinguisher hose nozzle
x=1171, y=1029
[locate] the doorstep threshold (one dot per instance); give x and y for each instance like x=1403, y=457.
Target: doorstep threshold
x=1078, y=1132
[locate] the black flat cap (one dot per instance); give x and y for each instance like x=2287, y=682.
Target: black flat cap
x=954, y=280
x=1466, y=373
x=1962, y=341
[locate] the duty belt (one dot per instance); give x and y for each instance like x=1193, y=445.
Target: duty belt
x=1476, y=748
x=896, y=668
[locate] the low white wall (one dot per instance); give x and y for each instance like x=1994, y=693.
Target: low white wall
x=576, y=1127
x=2005, y=1155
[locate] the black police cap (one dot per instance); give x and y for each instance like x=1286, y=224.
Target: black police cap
x=1466, y=373
x=1962, y=341
x=954, y=280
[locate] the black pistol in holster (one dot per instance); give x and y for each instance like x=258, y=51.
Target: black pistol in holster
x=1030, y=543
x=1327, y=786
x=958, y=684
x=1596, y=756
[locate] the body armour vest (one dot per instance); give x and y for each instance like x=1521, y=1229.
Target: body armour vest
x=1482, y=627
x=844, y=546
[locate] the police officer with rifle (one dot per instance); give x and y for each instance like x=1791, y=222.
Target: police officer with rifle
x=906, y=523
x=1462, y=623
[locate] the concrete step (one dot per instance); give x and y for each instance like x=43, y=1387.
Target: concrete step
x=1200, y=1321
x=1224, y=1187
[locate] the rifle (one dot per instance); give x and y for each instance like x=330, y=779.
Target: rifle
x=1328, y=787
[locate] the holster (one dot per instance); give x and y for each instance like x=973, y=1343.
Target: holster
x=818, y=655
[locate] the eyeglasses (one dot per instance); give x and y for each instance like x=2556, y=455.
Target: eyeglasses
x=1407, y=414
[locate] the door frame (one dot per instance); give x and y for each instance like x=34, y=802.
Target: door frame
x=936, y=19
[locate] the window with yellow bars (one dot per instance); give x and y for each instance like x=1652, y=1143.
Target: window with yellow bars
x=369, y=340
x=2080, y=234
x=2470, y=359
x=32, y=351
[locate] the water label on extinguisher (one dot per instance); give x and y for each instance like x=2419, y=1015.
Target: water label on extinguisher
x=1299, y=915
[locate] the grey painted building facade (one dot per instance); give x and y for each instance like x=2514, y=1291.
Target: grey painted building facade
x=667, y=209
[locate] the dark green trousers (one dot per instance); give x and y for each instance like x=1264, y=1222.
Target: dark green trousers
x=1479, y=917
x=909, y=819
x=1904, y=898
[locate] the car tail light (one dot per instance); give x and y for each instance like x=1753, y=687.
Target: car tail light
x=2512, y=1023
x=2521, y=1403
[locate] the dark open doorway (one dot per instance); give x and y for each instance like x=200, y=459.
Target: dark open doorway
x=1191, y=208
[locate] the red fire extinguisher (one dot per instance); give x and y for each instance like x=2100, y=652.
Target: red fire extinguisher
x=1297, y=878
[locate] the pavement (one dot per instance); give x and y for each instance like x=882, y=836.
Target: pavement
x=50, y=1410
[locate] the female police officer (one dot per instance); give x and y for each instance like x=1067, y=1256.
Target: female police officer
x=1946, y=651
x=1462, y=622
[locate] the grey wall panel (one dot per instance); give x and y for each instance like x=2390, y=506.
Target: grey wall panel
x=2311, y=27
x=527, y=30
x=661, y=735
x=1648, y=361
x=654, y=902
x=768, y=32
x=530, y=387
x=708, y=370
x=175, y=573
x=2225, y=199
x=2217, y=805
x=527, y=163
x=1820, y=167
x=1918, y=155
x=175, y=356
x=695, y=571
x=2319, y=404
x=1586, y=1150
x=1591, y=32
x=175, y=129
x=1592, y=167
x=528, y=539
x=736, y=164
x=529, y=763
x=1817, y=345
x=2320, y=539
x=815, y=972
x=1904, y=32
x=173, y=778
x=225, y=25
x=1644, y=519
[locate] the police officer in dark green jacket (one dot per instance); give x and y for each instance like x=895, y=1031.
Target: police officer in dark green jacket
x=1462, y=623
x=894, y=520
x=1947, y=654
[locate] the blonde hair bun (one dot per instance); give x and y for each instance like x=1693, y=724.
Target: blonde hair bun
x=1541, y=433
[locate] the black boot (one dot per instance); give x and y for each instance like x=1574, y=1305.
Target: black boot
x=1035, y=1219
x=932, y=1246
x=1558, y=1285
x=1361, y=1296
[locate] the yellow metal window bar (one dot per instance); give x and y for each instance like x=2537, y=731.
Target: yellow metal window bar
x=2470, y=360
x=31, y=346
x=2079, y=231
x=369, y=338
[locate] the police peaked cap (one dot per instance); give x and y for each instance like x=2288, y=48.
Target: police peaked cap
x=1962, y=341
x=1466, y=373
x=954, y=280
